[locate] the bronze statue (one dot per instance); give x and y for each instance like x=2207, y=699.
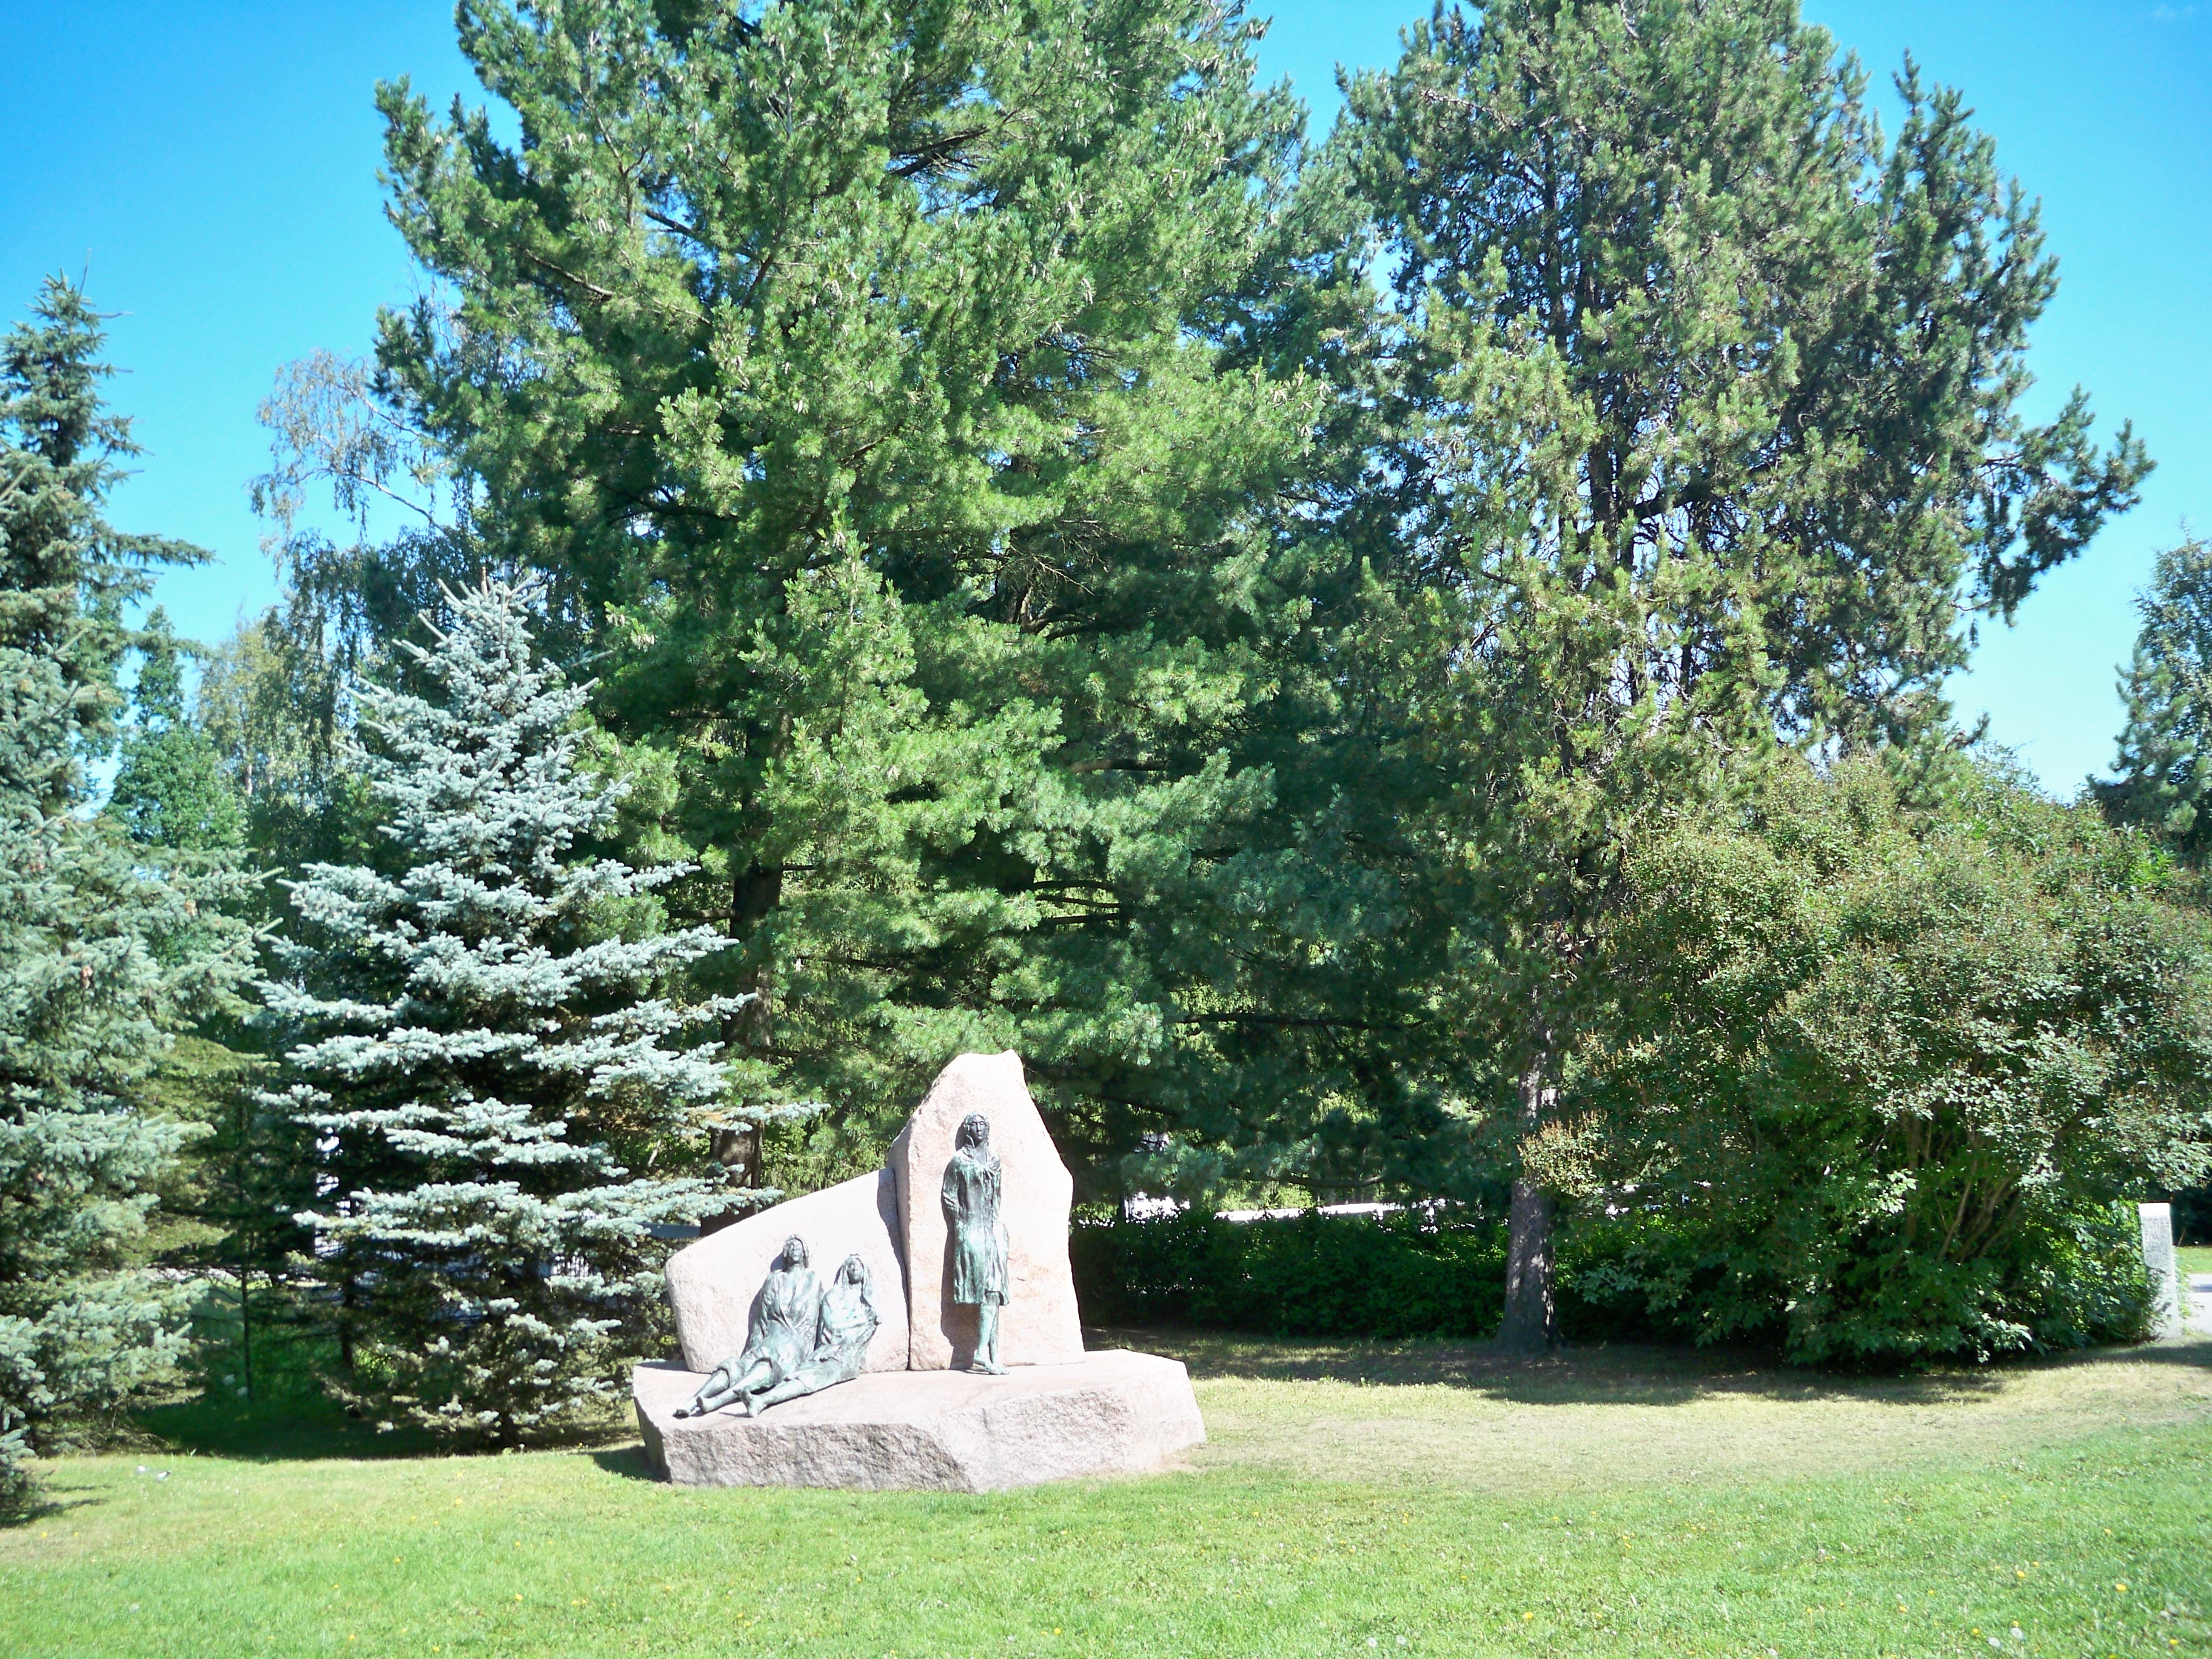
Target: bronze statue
x=782, y=1339
x=979, y=1237
x=846, y=1326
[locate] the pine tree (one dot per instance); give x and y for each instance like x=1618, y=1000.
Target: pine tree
x=490, y=1046
x=104, y=952
x=1708, y=440
x=2164, y=782
x=894, y=433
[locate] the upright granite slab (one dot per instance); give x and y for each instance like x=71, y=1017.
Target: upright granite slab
x=1111, y=1413
x=2169, y=1302
x=1039, y=1325
x=714, y=1284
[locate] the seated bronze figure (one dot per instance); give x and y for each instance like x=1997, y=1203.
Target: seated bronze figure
x=803, y=1339
x=782, y=1339
x=846, y=1326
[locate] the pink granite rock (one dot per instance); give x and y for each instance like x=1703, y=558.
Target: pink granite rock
x=714, y=1284
x=1039, y=1325
x=1111, y=1413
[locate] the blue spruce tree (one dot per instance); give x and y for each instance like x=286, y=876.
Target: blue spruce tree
x=492, y=1053
x=106, y=949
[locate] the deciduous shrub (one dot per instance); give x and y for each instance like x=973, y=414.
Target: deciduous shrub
x=1885, y=1072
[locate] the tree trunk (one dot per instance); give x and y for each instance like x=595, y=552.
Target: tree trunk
x=1532, y=1322
x=737, y=1150
x=753, y=894
x=246, y=1326
x=345, y=1323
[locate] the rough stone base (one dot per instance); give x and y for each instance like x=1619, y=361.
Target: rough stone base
x=1112, y=1412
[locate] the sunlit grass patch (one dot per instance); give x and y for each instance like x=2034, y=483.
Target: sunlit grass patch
x=1557, y=1512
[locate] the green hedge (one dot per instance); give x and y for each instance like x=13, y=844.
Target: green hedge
x=2075, y=1280
x=1627, y=1278
x=1314, y=1275
x=1403, y=1275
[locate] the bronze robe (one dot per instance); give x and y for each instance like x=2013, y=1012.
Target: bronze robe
x=979, y=1237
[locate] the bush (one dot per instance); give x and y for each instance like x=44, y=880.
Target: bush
x=2071, y=1283
x=1887, y=1072
x=1314, y=1275
x=1660, y=1274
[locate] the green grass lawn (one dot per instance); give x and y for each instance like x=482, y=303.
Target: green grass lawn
x=1356, y=1499
x=2196, y=1258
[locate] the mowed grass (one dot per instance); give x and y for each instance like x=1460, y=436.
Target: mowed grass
x=1353, y=1499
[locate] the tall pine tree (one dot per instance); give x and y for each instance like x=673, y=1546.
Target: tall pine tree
x=104, y=953
x=492, y=1050
x=1709, y=439
x=878, y=389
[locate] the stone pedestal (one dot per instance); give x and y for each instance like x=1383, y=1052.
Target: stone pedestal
x=1040, y=1325
x=2168, y=1306
x=1112, y=1412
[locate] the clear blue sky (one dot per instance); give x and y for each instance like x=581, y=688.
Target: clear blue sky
x=212, y=167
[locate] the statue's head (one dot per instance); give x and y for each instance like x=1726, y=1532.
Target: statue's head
x=794, y=1252
x=854, y=1272
x=975, y=1131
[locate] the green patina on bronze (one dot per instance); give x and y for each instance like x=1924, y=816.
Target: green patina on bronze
x=803, y=1339
x=979, y=1239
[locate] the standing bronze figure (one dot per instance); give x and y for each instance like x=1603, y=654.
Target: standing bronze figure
x=979, y=1237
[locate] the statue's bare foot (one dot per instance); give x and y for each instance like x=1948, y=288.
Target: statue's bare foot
x=988, y=1370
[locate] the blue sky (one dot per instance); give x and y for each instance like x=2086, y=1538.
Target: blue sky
x=211, y=166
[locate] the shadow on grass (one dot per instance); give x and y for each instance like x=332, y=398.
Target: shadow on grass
x=305, y=1426
x=2191, y=1353
x=309, y=1428
x=627, y=1461
x=43, y=1505
x=298, y=1428
x=1608, y=1374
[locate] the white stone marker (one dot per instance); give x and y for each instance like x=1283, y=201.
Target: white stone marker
x=2164, y=1270
x=1039, y=1325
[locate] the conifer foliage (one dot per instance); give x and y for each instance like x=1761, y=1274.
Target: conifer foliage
x=488, y=1039
x=103, y=952
x=169, y=789
x=872, y=387
x=2163, y=782
x=1711, y=438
